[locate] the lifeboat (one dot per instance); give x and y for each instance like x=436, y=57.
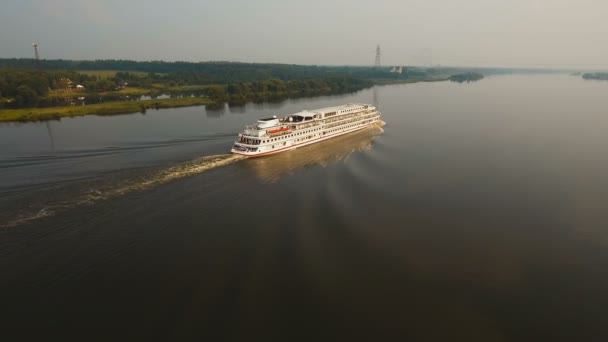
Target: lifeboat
x=278, y=130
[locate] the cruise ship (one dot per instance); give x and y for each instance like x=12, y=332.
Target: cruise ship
x=273, y=135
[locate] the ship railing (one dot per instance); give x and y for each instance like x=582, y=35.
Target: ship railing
x=242, y=143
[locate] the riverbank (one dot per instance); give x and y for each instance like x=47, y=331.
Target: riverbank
x=140, y=106
x=107, y=108
x=409, y=80
x=466, y=77
x=52, y=89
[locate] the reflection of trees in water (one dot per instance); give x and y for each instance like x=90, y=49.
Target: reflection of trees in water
x=331, y=96
x=271, y=168
x=268, y=105
x=238, y=108
x=218, y=110
x=215, y=110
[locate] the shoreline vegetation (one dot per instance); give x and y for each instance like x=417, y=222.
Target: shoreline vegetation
x=33, y=90
x=107, y=108
x=466, y=77
x=603, y=76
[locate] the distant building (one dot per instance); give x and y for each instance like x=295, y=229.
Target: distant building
x=397, y=70
x=66, y=83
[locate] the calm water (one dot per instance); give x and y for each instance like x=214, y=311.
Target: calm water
x=478, y=212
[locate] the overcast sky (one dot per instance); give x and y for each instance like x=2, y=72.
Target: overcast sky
x=552, y=33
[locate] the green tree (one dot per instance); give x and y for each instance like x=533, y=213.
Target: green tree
x=216, y=93
x=26, y=95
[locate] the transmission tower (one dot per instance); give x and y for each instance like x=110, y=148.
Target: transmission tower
x=36, y=51
x=378, y=54
x=48, y=125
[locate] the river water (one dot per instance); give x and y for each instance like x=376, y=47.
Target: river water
x=477, y=212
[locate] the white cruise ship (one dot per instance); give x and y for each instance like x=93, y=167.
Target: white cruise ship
x=273, y=135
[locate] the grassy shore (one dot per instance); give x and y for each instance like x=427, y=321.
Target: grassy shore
x=108, y=108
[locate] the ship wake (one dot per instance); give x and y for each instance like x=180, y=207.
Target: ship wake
x=32, y=209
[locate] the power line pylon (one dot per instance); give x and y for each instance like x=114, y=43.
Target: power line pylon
x=378, y=54
x=36, y=51
x=36, y=55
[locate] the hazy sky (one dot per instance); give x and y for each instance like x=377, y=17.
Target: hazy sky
x=571, y=33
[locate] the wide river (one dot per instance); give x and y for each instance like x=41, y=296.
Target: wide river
x=478, y=212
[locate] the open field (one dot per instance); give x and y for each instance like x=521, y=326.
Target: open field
x=130, y=91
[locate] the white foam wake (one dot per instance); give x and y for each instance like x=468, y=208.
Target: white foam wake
x=95, y=195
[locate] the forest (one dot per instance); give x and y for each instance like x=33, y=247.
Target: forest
x=28, y=88
x=31, y=83
x=27, y=83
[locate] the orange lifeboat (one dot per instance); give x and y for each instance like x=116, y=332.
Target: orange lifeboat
x=278, y=130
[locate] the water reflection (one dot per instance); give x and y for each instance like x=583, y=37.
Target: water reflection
x=271, y=168
x=237, y=108
x=51, y=138
x=267, y=105
x=375, y=94
x=216, y=110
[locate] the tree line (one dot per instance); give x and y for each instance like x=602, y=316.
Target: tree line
x=201, y=73
x=275, y=88
x=466, y=77
x=30, y=88
x=219, y=72
x=25, y=82
x=596, y=76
